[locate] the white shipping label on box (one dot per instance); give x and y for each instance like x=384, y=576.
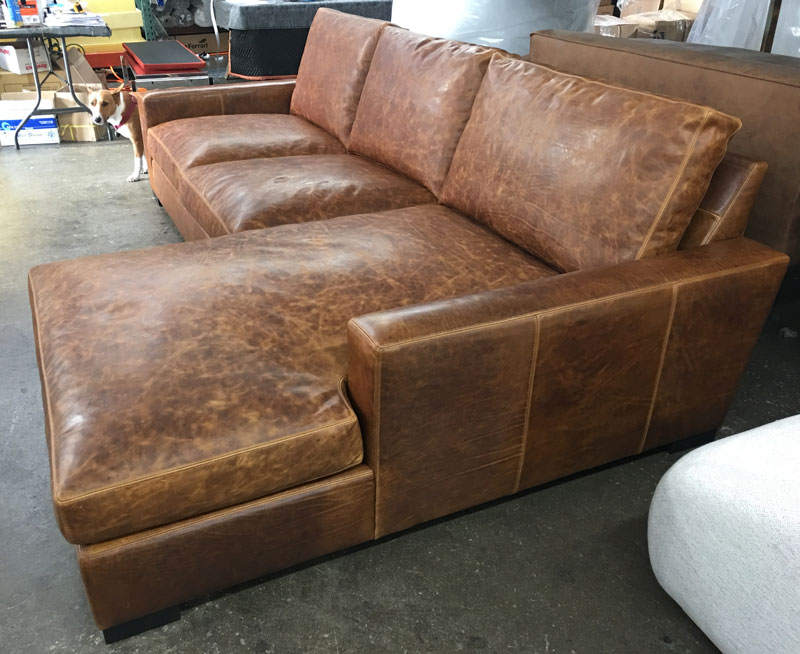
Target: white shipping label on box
x=15, y=57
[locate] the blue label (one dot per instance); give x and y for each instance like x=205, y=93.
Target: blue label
x=35, y=122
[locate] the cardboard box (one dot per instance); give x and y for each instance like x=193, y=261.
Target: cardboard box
x=78, y=126
x=39, y=129
x=82, y=72
x=621, y=28
x=666, y=24
x=605, y=10
x=15, y=57
x=11, y=83
x=204, y=43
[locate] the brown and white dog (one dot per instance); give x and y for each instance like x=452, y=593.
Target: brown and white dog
x=120, y=108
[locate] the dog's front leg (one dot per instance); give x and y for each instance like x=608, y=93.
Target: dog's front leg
x=137, y=169
x=144, y=164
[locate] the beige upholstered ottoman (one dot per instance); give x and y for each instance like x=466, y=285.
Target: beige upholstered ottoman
x=724, y=539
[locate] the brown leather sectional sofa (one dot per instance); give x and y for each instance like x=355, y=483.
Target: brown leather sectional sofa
x=468, y=286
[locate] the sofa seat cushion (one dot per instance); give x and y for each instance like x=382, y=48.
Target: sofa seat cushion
x=239, y=195
x=191, y=377
x=181, y=144
x=541, y=162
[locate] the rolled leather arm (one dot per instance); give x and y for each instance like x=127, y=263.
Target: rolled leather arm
x=466, y=400
x=161, y=106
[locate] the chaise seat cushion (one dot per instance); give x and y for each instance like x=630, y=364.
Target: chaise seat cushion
x=187, y=378
x=235, y=196
x=181, y=144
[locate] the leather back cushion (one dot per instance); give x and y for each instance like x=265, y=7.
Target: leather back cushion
x=725, y=208
x=581, y=173
x=416, y=101
x=332, y=71
x=743, y=83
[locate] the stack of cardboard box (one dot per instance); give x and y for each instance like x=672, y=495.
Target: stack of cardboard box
x=16, y=104
x=653, y=19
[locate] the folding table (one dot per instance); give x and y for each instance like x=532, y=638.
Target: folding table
x=40, y=33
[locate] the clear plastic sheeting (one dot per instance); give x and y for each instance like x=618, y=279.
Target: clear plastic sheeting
x=787, y=31
x=505, y=24
x=734, y=23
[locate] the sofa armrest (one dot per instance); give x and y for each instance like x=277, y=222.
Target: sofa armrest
x=161, y=106
x=465, y=400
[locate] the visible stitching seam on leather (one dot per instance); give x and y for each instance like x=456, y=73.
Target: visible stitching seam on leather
x=161, y=173
x=169, y=154
x=48, y=408
x=710, y=236
x=660, y=369
x=376, y=410
x=534, y=361
x=101, y=549
x=574, y=305
x=674, y=186
x=655, y=58
x=204, y=462
x=207, y=203
x=348, y=404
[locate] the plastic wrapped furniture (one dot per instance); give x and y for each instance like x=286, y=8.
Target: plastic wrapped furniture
x=724, y=539
x=735, y=23
x=505, y=24
x=787, y=32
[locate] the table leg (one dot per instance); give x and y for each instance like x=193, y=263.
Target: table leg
x=71, y=86
x=38, y=84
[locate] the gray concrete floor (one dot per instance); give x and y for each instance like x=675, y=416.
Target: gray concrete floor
x=559, y=570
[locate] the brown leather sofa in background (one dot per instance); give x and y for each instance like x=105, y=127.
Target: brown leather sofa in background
x=468, y=286
x=762, y=89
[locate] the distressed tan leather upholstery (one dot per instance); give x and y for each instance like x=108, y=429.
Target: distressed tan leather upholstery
x=220, y=409
x=417, y=98
x=558, y=183
x=164, y=105
x=217, y=368
x=238, y=195
x=726, y=205
x=188, y=142
x=565, y=373
x=760, y=88
x=332, y=71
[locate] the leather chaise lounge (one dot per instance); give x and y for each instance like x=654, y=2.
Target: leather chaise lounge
x=431, y=283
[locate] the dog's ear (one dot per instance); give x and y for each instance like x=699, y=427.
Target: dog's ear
x=115, y=95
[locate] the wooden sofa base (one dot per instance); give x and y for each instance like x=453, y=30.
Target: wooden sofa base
x=135, y=576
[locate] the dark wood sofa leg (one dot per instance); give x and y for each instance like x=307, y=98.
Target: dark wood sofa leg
x=692, y=442
x=145, y=623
